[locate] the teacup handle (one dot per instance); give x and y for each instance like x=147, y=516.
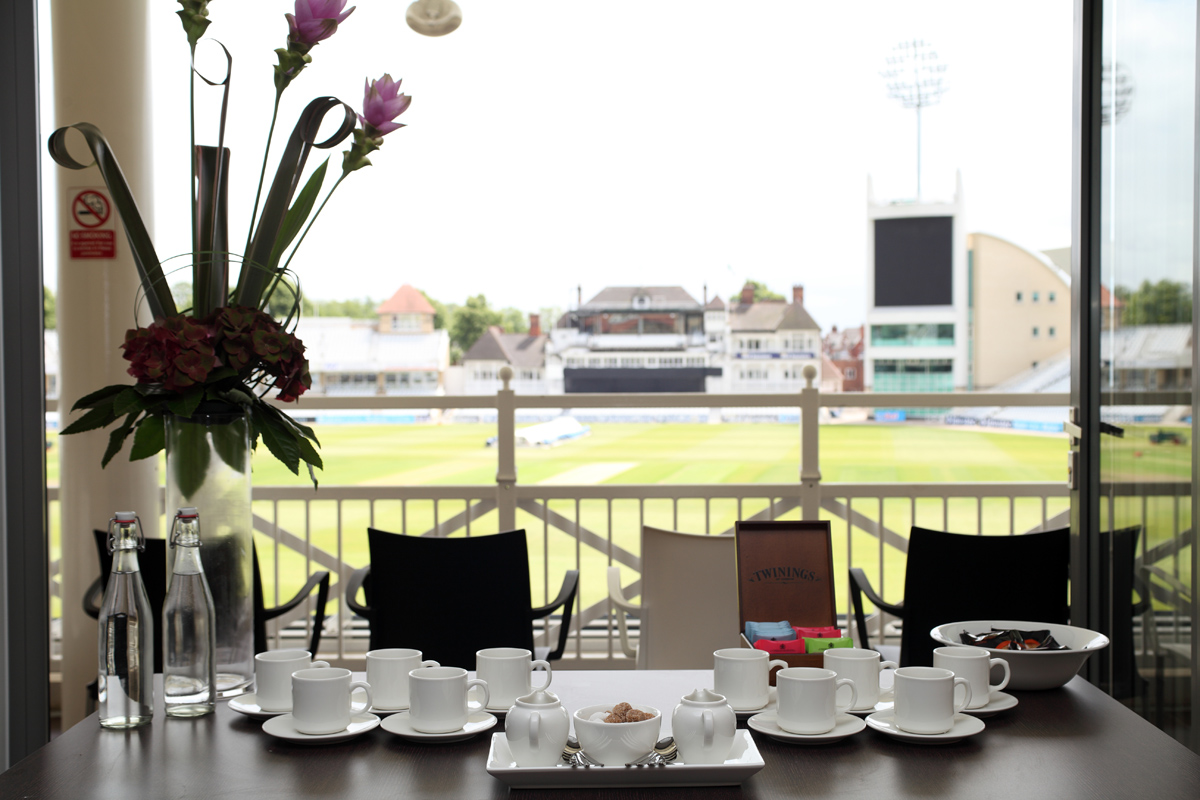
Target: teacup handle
x=776, y=662
x=535, y=725
x=318, y=664
x=890, y=692
x=966, y=684
x=366, y=687
x=1007, y=672
x=487, y=697
x=549, y=673
x=853, y=694
x=428, y=664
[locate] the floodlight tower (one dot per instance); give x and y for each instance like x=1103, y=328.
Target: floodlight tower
x=915, y=78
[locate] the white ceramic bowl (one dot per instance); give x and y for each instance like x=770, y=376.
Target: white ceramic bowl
x=616, y=743
x=1032, y=669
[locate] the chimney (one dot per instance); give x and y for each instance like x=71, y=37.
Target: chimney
x=579, y=296
x=535, y=325
x=798, y=295
x=748, y=294
x=706, y=294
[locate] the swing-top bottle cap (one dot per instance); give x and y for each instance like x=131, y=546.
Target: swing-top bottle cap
x=125, y=516
x=187, y=512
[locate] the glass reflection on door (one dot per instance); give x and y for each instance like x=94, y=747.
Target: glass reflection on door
x=1148, y=141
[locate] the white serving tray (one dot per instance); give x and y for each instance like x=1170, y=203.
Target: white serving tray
x=744, y=760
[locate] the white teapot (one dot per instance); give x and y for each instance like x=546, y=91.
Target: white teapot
x=536, y=728
x=703, y=725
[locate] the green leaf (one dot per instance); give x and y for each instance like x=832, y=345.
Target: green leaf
x=221, y=373
x=149, y=438
x=185, y=405
x=188, y=455
x=96, y=418
x=99, y=396
x=309, y=453
x=230, y=444
x=130, y=401
x=278, y=439
x=297, y=215
x=116, y=439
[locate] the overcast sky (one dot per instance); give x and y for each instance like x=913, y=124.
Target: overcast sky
x=590, y=143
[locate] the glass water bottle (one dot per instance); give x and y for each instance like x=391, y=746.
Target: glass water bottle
x=189, y=633
x=126, y=679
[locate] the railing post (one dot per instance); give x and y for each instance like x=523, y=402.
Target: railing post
x=506, y=466
x=810, y=463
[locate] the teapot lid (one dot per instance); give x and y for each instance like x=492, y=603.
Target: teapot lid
x=539, y=697
x=704, y=696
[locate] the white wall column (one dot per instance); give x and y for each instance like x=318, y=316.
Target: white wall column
x=101, y=76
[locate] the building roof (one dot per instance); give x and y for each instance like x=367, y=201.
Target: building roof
x=517, y=349
x=770, y=316
x=341, y=344
x=620, y=298
x=406, y=300
x=716, y=304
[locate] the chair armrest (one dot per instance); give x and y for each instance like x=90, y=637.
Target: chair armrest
x=859, y=582
x=617, y=598
x=617, y=595
x=358, y=580
x=318, y=581
x=566, y=601
x=859, y=585
x=93, y=597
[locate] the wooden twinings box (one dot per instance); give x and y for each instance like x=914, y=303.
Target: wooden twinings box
x=785, y=571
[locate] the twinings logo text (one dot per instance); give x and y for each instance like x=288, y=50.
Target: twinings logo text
x=784, y=575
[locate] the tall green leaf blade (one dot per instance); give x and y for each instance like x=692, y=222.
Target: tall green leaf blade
x=188, y=457
x=297, y=215
x=154, y=283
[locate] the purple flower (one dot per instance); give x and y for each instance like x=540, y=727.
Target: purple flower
x=382, y=103
x=316, y=20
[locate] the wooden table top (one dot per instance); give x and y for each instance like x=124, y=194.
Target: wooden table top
x=1064, y=743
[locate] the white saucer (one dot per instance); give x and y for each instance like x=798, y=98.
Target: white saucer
x=885, y=722
x=772, y=704
x=383, y=712
x=284, y=727
x=882, y=705
x=400, y=725
x=248, y=704
x=997, y=702
x=844, y=725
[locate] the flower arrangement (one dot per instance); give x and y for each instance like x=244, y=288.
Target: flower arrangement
x=233, y=345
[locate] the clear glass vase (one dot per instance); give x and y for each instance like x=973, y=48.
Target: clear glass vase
x=208, y=466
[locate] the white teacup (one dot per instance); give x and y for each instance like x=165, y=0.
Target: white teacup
x=273, y=676
x=975, y=665
x=807, y=698
x=925, y=699
x=861, y=666
x=437, y=699
x=742, y=675
x=387, y=672
x=509, y=673
x=321, y=699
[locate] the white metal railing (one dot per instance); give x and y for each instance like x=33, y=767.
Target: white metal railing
x=589, y=527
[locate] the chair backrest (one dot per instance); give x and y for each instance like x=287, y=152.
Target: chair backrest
x=952, y=576
x=689, y=599
x=449, y=597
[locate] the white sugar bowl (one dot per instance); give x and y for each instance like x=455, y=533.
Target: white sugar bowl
x=536, y=728
x=703, y=725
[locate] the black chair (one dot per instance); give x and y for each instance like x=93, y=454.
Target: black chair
x=153, y=564
x=952, y=576
x=451, y=597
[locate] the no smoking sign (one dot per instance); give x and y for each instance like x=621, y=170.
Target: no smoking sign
x=92, y=233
